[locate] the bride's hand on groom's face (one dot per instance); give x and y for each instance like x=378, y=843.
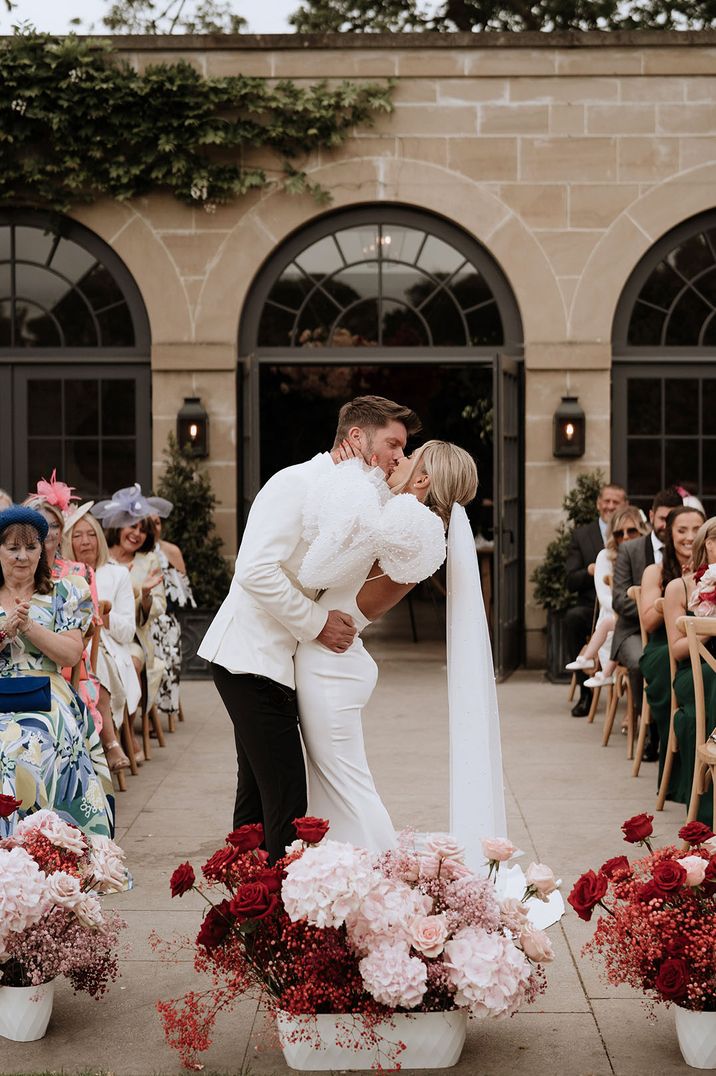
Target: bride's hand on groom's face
x=346, y=451
x=338, y=632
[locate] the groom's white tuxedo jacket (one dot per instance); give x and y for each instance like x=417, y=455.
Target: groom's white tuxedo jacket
x=266, y=612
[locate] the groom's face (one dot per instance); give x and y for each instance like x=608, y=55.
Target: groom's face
x=383, y=447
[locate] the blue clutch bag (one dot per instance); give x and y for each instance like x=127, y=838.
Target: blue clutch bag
x=25, y=694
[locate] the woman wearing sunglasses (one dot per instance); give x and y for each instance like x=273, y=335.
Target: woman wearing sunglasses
x=625, y=525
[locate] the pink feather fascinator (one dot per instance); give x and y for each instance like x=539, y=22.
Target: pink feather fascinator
x=57, y=493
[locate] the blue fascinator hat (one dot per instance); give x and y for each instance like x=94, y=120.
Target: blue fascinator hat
x=128, y=506
x=26, y=517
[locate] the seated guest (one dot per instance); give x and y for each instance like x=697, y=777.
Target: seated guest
x=5, y=499
x=680, y=599
x=50, y=754
x=625, y=525
x=130, y=539
x=682, y=525
x=166, y=631
x=84, y=541
x=585, y=544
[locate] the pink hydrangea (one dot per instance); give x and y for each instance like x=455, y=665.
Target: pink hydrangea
x=23, y=891
x=51, y=826
x=327, y=884
x=386, y=911
x=393, y=976
x=490, y=975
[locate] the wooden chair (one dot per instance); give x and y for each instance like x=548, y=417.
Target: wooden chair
x=620, y=689
x=645, y=719
x=705, y=760
x=672, y=744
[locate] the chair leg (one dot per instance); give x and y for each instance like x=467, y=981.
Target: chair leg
x=631, y=720
x=572, y=687
x=128, y=743
x=157, y=726
x=121, y=782
x=595, y=703
x=698, y=787
x=181, y=712
x=171, y=722
x=145, y=734
x=666, y=776
x=641, y=742
x=611, y=713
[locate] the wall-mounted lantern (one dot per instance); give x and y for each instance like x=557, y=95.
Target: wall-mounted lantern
x=570, y=427
x=193, y=427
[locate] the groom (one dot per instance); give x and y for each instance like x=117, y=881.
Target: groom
x=253, y=637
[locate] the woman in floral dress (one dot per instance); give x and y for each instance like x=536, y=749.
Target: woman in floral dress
x=49, y=758
x=166, y=630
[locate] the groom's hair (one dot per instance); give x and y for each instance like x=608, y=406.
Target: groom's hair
x=372, y=413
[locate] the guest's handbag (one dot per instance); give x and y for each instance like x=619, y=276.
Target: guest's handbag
x=25, y=694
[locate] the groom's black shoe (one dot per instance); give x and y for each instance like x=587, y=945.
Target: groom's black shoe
x=583, y=706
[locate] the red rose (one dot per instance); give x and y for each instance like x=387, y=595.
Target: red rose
x=695, y=833
x=311, y=830
x=617, y=865
x=246, y=838
x=215, y=927
x=182, y=879
x=709, y=882
x=215, y=868
x=587, y=892
x=253, y=901
x=638, y=828
x=649, y=891
x=271, y=879
x=8, y=806
x=669, y=875
x=700, y=573
x=672, y=979
x=677, y=945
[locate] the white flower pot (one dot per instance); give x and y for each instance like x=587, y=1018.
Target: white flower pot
x=25, y=1011
x=696, y=1032
x=432, y=1040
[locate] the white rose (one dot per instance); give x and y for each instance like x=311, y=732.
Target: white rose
x=514, y=913
x=710, y=846
x=536, y=945
x=428, y=934
x=108, y=871
x=89, y=910
x=498, y=849
x=445, y=846
x=64, y=890
x=695, y=868
x=541, y=879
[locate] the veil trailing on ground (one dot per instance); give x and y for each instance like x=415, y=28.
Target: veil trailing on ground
x=477, y=797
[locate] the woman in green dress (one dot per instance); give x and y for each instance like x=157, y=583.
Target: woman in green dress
x=681, y=528
x=51, y=756
x=678, y=596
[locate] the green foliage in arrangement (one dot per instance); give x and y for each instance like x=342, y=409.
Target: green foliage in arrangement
x=580, y=504
x=191, y=525
x=77, y=123
x=394, y=16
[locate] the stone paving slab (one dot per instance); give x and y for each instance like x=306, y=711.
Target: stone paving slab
x=566, y=798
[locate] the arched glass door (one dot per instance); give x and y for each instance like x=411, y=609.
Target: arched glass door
x=74, y=360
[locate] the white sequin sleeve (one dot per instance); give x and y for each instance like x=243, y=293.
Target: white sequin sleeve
x=412, y=540
x=341, y=523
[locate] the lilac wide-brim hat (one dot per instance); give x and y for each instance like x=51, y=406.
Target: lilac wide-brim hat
x=128, y=506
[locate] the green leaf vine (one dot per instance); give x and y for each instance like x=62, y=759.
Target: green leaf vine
x=78, y=123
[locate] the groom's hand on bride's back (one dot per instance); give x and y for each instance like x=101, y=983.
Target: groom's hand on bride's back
x=338, y=631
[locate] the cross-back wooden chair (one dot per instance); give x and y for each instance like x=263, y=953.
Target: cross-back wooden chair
x=695, y=627
x=672, y=744
x=645, y=719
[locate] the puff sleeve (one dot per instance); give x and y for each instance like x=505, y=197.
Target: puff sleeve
x=412, y=540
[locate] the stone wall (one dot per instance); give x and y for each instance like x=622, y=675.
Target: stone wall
x=567, y=156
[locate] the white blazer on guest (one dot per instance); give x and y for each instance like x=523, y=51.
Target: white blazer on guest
x=266, y=612
x=114, y=584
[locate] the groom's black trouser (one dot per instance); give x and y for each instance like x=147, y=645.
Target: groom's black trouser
x=271, y=777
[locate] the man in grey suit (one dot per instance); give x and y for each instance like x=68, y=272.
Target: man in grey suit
x=632, y=559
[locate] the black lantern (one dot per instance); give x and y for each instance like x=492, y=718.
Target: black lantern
x=193, y=427
x=570, y=427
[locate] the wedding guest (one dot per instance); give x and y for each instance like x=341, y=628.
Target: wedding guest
x=166, y=629
x=585, y=544
x=5, y=499
x=119, y=683
x=681, y=598
x=130, y=538
x=50, y=755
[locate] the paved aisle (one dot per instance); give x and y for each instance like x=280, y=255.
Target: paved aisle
x=567, y=799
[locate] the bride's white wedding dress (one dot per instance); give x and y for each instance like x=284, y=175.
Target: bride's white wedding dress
x=351, y=521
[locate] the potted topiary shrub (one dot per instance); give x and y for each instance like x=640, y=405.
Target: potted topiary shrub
x=191, y=526
x=550, y=591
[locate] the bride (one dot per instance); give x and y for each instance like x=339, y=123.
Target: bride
x=369, y=544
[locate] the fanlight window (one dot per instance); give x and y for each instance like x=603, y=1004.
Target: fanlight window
x=676, y=306
x=381, y=285
x=55, y=293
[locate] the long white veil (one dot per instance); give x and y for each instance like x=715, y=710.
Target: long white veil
x=477, y=796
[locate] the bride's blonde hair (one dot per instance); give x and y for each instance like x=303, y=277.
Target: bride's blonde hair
x=453, y=476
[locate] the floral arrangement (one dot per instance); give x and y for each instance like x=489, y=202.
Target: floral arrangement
x=331, y=929
x=703, y=597
x=658, y=933
x=52, y=921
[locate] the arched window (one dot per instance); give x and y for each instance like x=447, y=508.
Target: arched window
x=74, y=359
x=381, y=277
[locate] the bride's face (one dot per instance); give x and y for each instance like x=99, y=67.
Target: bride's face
x=411, y=476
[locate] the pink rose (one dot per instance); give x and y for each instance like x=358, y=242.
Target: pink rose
x=541, y=879
x=445, y=846
x=710, y=846
x=65, y=890
x=428, y=934
x=536, y=945
x=89, y=910
x=695, y=868
x=498, y=849
x=452, y=869
x=514, y=914
x=428, y=865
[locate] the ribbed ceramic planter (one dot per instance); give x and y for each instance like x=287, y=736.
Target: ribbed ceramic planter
x=25, y=1011
x=433, y=1040
x=697, y=1037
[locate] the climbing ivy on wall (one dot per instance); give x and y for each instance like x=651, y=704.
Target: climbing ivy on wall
x=77, y=123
